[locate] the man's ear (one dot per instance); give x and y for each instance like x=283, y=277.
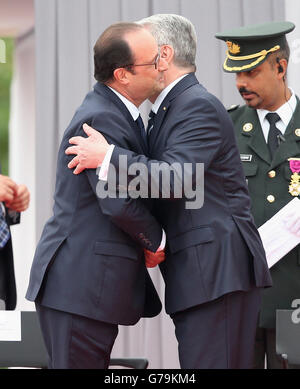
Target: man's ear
x=121, y=75
x=167, y=53
x=281, y=68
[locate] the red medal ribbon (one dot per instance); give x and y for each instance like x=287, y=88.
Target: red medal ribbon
x=295, y=165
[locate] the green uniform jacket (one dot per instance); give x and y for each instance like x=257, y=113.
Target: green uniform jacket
x=268, y=183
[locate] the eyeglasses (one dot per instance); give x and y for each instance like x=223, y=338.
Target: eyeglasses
x=155, y=63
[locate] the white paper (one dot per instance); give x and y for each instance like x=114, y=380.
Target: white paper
x=276, y=238
x=10, y=325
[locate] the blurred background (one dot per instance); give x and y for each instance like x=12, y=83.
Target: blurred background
x=6, y=71
x=46, y=69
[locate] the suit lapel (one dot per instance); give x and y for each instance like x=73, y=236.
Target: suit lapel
x=255, y=137
x=136, y=137
x=181, y=86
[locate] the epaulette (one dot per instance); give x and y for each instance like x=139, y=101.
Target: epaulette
x=233, y=107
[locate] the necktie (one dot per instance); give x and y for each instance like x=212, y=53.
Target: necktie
x=141, y=126
x=4, y=230
x=273, y=118
x=150, y=122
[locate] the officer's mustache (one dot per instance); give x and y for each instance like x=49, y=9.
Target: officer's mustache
x=243, y=90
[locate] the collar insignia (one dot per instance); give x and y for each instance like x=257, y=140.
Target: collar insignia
x=246, y=157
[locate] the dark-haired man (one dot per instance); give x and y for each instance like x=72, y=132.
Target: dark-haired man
x=89, y=272
x=268, y=135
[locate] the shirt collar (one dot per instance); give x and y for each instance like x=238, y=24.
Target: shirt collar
x=135, y=113
x=163, y=94
x=285, y=112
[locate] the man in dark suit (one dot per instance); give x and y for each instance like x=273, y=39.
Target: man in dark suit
x=266, y=146
x=89, y=273
x=14, y=199
x=215, y=264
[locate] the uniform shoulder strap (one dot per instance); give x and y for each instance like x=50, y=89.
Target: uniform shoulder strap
x=233, y=108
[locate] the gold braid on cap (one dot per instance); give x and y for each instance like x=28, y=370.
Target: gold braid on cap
x=262, y=55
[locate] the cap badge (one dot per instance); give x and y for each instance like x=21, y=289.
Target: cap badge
x=233, y=48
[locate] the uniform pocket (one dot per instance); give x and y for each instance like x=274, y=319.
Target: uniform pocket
x=250, y=169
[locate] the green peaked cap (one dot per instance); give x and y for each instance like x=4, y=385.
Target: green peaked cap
x=249, y=46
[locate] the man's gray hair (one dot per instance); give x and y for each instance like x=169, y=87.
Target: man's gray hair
x=176, y=31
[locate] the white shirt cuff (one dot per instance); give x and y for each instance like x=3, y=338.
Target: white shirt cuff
x=105, y=164
x=163, y=241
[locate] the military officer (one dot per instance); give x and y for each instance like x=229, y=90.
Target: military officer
x=268, y=135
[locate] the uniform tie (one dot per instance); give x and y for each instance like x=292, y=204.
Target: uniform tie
x=141, y=126
x=4, y=230
x=274, y=132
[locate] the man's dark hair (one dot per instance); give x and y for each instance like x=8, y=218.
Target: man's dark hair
x=111, y=51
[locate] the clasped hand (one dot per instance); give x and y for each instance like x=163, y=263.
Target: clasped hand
x=154, y=259
x=15, y=197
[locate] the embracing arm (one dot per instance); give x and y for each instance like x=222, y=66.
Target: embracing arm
x=190, y=149
x=130, y=215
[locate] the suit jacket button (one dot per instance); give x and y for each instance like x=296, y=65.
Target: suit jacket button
x=271, y=198
x=272, y=174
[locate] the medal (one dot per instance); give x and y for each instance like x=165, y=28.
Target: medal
x=294, y=187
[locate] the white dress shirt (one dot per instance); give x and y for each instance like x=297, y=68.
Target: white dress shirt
x=285, y=113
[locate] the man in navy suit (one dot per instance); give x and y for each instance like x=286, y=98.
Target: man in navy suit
x=88, y=274
x=215, y=263
x=14, y=199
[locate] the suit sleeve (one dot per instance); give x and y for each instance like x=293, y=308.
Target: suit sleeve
x=131, y=215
